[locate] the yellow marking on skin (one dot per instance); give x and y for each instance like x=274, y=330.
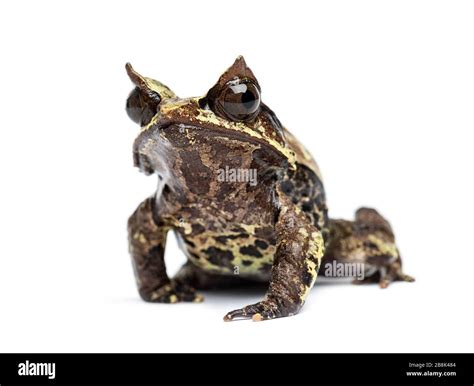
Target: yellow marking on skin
x=187, y=228
x=152, y=122
x=170, y=105
x=384, y=247
x=167, y=106
x=303, y=232
x=185, y=225
x=173, y=298
x=159, y=87
x=250, y=229
x=140, y=237
x=311, y=268
x=198, y=298
x=316, y=245
x=208, y=116
x=316, y=249
x=207, y=240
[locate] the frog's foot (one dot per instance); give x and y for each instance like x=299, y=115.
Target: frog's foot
x=264, y=310
x=394, y=273
x=173, y=292
x=368, y=241
x=386, y=275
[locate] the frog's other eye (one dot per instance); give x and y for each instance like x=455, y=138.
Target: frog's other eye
x=141, y=107
x=142, y=102
x=239, y=100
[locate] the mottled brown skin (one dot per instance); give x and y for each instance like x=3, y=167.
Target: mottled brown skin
x=275, y=231
x=368, y=240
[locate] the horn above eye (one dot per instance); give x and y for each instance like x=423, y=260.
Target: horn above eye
x=142, y=102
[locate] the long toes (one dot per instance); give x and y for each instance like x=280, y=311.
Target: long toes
x=259, y=311
x=245, y=313
x=386, y=279
x=408, y=278
x=384, y=283
x=164, y=298
x=175, y=293
x=236, y=314
x=164, y=294
x=191, y=297
x=198, y=298
x=176, y=297
x=186, y=293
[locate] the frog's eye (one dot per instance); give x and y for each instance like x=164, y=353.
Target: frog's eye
x=239, y=100
x=142, y=103
x=141, y=107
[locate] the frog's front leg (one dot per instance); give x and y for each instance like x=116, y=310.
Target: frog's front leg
x=300, y=248
x=147, y=240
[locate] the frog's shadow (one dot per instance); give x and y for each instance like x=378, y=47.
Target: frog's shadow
x=257, y=290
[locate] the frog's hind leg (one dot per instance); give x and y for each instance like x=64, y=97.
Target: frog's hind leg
x=370, y=242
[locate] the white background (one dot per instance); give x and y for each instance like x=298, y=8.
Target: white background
x=382, y=93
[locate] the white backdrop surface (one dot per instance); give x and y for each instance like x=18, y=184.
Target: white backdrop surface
x=381, y=92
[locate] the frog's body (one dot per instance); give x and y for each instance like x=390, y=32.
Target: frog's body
x=244, y=197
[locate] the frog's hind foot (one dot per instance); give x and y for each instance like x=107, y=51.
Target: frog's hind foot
x=174, y=292
x=368, y=240
x=386, y=276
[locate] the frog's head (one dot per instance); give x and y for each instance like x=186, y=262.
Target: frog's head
x=229, y=126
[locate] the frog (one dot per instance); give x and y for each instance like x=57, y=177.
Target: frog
x=234, y=230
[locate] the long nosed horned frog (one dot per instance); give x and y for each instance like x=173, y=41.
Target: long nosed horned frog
x=243, y=196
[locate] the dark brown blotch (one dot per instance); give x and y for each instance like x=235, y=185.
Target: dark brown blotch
x=261, y=244
x=219, y=257
x=250, y=250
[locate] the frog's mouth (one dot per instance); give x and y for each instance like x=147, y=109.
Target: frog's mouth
x=157, y=144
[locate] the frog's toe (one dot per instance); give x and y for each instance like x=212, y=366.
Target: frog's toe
x=241, y=313
x=187, y=293
x=384, y=283
x=174, y=293
x=394, y=275
x=404, y=277
x=263, y=310
x=385, y=275
x=244, y=313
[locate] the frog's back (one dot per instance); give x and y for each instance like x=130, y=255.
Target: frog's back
x=305, y=185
